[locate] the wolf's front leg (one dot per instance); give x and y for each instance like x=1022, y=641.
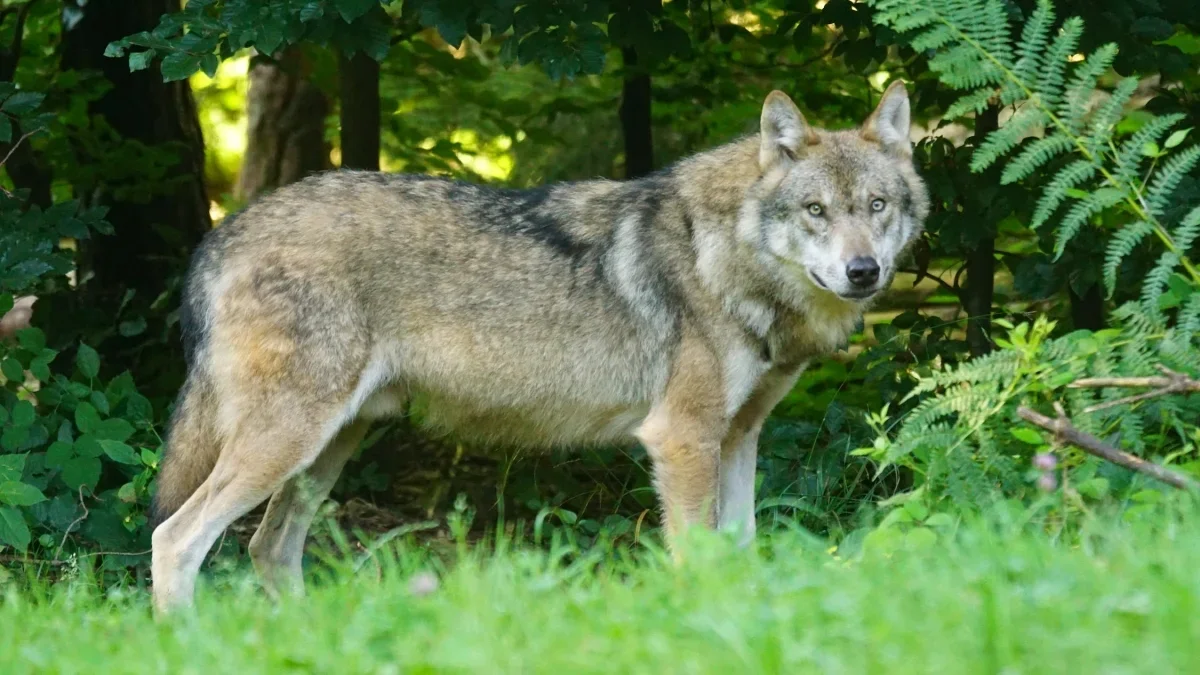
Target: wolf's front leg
x=739, y=452
x=682, y=434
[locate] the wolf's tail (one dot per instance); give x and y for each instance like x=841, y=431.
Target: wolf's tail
x=193, y=446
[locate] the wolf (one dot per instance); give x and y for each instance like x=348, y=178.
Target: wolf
x=677, y=309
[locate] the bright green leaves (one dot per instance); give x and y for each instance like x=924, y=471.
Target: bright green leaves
x=198, y=37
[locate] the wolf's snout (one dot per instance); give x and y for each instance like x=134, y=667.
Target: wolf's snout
x=862, y=271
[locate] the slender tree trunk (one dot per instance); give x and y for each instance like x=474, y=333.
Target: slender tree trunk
x=26, y=169
x=635, y=117
x=360, y=116
x=1087, y=310
x=153, y=236
x=285, y=136
x=981, y=264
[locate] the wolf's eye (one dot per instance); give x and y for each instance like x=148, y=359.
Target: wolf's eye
x=815, y=209
x=877, y=204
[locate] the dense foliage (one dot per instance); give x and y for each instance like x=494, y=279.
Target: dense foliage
x=1062, y=243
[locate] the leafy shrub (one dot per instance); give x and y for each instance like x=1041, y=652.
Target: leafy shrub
x=962, y=437
x=77, y=452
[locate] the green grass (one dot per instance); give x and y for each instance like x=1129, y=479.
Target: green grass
x=978, y=602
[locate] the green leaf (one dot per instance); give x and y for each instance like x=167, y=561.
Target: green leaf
x=12, y=370
x=5, y=129
x=1027, y=435
x=81, y=472
x=141, y=60
x=88, y=361
x=149, y=457
x=58, y=453
x=133, y=327
x=352, y=9
x=1176, y=138
x=1185, y=42
x=179, y=66
x=88, y=446
x=13, y=438
x=115, y=429
x=40, y=368
x=32, y=339
x=86, y=418
x=22, y=102
x=16, y=493
x=11, y=467
x=120, y=452
x=23, y=414
x=127, y=493
x=13, y=530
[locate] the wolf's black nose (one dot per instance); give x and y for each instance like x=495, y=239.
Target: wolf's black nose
x=862, y=271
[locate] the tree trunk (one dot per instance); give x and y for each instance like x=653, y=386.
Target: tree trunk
x=360, y=118
x=1087, y=310
x=635, y=117
x=285, y=136
x=153, y=236
x=981, y=264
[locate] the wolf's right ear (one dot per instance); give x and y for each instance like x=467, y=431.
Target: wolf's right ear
x=783, y=131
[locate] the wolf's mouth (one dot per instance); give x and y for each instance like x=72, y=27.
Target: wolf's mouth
x=853, y=295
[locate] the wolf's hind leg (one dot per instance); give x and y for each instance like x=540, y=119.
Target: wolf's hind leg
x=277, y=547
x=265, y=450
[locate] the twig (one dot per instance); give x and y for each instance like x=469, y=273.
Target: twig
x=1172, y=383
x=1065, y=431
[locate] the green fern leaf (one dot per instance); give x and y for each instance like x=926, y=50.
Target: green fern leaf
x=1004, y=139
x=1034, y=156
x=1055, y=193
x=1052, y=82
x=1122, y=244
x=1129, y=157
x=1167, y=178
x=1083, y=84
x=1079, y=214
x=1034, y=38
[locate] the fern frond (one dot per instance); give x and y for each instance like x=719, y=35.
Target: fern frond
x=1167, y=178
x=1053, y=80
x=1188, y=231
x=1034, y=38
x=1105, y=117
x=1000, y=142
x=1034, y=156
x=1188, y=321
x=1156, y=280
x=1055, y=193
x=1123, y=242
x=1083, y=83
x=1079, y=214
x=974, y=102
x=1129, y=157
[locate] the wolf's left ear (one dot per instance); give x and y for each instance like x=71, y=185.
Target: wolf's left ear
x=890, y=124
x=783, y=131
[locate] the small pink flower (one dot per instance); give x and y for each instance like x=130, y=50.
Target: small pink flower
x=422, y=583
x=1045, y=461
x=1047, y=482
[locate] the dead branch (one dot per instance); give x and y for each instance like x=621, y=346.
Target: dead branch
x=1065, y=431
x=1172, y=382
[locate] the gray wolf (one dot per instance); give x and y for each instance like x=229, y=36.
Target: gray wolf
x=676, y=309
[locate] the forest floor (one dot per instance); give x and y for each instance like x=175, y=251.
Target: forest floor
x=984, y=599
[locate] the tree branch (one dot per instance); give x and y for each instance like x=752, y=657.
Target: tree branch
x=1172, y=382
x=1065, y=431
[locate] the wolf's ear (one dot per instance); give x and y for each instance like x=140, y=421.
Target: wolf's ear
x=889, y=125
x=783, y=131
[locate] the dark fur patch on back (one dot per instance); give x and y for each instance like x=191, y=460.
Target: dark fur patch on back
x=194, y=305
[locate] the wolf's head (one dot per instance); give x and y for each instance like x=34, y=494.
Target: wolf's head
x=834, y=210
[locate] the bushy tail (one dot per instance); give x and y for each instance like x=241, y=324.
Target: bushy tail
x=193, y=446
